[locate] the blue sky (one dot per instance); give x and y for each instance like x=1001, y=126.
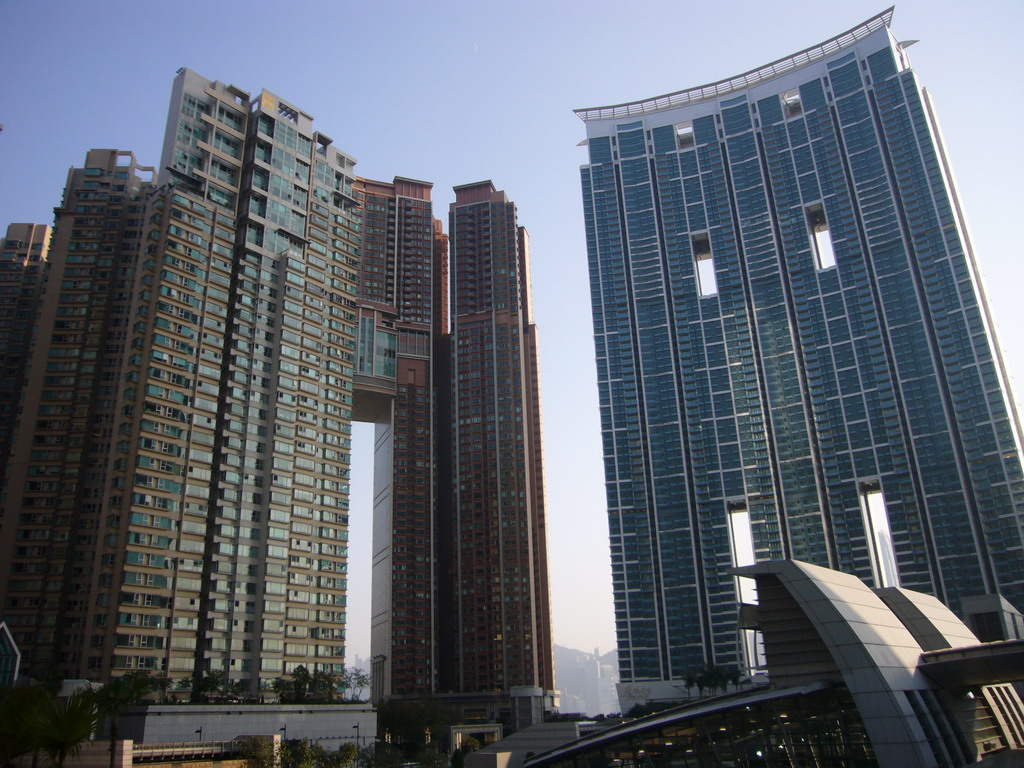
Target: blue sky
x=456, y=92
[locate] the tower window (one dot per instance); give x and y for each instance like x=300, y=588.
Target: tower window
x=684, y=135
x=704, y=264
x=741, y=542
x=741, y=539
x=791, y=103
x=287, y=112
x=821, y=237
x=878, y=535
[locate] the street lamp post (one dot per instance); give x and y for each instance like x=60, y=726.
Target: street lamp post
x=199, y=730
x=356, y=726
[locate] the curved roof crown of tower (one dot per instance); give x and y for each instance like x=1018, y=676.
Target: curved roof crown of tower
x=767, y=72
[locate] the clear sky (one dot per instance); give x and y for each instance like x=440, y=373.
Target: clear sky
x=456, y=92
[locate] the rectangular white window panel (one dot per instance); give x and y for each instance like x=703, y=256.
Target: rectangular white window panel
x=741, y=541
x=684, y=135
x=791, y=103
x=704, y=263
x=878, y=535
x=821, y=237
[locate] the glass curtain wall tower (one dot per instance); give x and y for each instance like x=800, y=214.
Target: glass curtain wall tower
x=795, y=357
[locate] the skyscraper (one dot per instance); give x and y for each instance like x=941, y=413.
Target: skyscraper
x=23, y=254
x=795, y=357
x=178, y=496
x=52, y=532
x=494, y=612
x=401, y=387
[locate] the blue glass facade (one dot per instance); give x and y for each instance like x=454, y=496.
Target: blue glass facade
x=788, y=323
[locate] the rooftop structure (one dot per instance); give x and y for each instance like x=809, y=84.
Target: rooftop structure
x=740, y=82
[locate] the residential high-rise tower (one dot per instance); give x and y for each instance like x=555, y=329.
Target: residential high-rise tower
x=185, y=508
x=795, y=357
x=495, y=616
x=52, y=526
x=401, y=388
x=23, y=255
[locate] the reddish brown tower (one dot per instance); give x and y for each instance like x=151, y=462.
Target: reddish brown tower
x=496, y=632
x=402, y=319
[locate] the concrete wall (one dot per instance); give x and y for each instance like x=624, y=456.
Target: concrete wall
x=329, y=724
x=95, y=754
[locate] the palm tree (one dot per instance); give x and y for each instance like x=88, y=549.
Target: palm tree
x=21, y=711
x=115, y=698
x=64, y=728
x=690, y=680
x=733, y=676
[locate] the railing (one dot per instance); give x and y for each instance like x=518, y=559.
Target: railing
x=739, y=82
x=143, y=753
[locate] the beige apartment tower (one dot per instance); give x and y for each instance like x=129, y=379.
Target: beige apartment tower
x=177, y=495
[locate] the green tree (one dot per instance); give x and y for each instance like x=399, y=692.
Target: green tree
x=118, y=696
x=355, y=681
x=381, y=755
x=365, y=756
x=260, y=753
x=344, y=756
x=713, y=677
x=733, y=676
x=50, y=678
x=323, y=686
x=65, y=727
x=430, y=757
x=162, y=683
x=690, y=680
x=283, y=687
x=301, y=680
x=302, y=754
x=206, y=683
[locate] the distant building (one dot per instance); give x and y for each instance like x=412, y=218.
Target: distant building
x=586, y=682
x=885, y=677
x=795, y=357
